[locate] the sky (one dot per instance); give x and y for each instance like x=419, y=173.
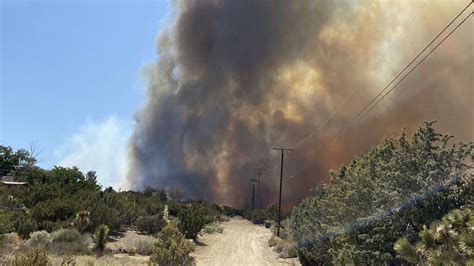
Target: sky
x=70, y=78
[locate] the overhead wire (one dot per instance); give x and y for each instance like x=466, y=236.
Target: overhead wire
x=363, y=113
x=346, y=99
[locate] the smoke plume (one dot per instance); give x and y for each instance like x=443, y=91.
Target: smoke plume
x=234, y=78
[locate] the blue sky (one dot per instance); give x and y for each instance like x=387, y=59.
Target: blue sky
x=71, y=70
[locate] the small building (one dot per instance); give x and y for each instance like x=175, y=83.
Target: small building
x=9, y=181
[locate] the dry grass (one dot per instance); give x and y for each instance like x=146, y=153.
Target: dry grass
x=117, y=259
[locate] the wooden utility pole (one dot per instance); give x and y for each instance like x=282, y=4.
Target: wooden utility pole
x=246, y=198
x=259, y=173
x=281, y=183
x=253, y=192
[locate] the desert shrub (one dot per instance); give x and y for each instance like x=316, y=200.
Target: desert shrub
x=132, y=252
x=172, y=248
x=228, y=211
x=39, y=239
x=292, y=251
x=223, y=218
x=24, y=224
x=11, y=240
x=68, y=260
x=258, y=216
x=150, y=224
x=279, y=247
x=389, y=192
x=213, y=228
x=66, y=235
x=144, y=246
x=69, y=241
x=289, y=251
x=192, y=219
x=273, y=241
x=100, y=237
x=36, y=257
x=448, y=242
x=6, y=224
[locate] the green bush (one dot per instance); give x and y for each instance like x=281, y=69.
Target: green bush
x=213, y=228
x=36, y=257
x=448, y=242
x=258, y=216
x=392, y=190
x=172, y=248
x=192, y=219
x=150, y=224
x=69, y=241
x=66, y=235
x=100, y=237
x=24, y=224
x=39, y=239
x=6, y=224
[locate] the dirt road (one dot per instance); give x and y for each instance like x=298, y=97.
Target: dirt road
x=242, y=243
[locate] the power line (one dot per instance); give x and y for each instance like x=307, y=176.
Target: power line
x=362, y=113
x=275, y=144
x=353, y=121
x=406, y=67
x=318, y=128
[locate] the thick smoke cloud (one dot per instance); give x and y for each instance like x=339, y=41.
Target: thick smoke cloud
x=232, y=76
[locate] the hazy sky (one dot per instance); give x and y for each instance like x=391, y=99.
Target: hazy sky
x=71, y=77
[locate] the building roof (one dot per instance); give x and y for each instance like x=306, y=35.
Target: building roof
x=14, y=183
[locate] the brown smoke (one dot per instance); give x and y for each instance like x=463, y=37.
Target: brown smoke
x=233, y=75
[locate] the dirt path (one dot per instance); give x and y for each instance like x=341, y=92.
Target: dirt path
x=242, y=243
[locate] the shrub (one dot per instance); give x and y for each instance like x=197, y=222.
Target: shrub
x=100, y=237
x=132, y=252
x=258, y=216
x=24, y=224
x=279, y=247
x=69, y=241
x=12, y=240
x=68, y=260
x=273, y=241
x=6, y=224
x=289, y=251
x=144, y=247
x=39, y=239
x=66, y=235
x=292, y=252
x=37, y=257
x=150, y=224
x=172, y=248
x=448, y=242
x=213, y=228
x=191, y=220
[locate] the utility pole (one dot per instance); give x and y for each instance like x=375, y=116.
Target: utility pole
x=253, y=192
x=246, y=197
x=259, y=173
x=281, y=183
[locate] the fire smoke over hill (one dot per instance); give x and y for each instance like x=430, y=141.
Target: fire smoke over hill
x=232, y=76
